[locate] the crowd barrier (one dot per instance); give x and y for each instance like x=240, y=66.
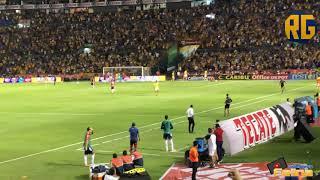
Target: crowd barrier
x=298, y=76
x=13, y=80
x=248, y=130
x=133, y=79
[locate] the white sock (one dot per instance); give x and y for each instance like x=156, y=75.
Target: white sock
x=92, y=159
x=166, y=143
x=85, y=160
x=171, y=142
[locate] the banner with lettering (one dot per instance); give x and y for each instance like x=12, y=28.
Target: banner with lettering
x=246, y=131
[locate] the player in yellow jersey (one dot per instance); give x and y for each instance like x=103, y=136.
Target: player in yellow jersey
x=205, y=74
x=173, y=76
x=185, y=75
x=156, y=87
x=318, y=83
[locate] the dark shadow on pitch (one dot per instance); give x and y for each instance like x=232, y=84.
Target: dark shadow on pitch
x=82, y=177
x=65, y=164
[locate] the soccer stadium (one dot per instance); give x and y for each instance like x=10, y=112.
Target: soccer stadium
x=159, y=89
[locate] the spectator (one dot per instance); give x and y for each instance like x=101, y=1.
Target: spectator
x=219, y=140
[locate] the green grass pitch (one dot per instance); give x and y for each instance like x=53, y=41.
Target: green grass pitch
x=42, y=126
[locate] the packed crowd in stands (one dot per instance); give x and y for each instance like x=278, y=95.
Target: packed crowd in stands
x=245, y=35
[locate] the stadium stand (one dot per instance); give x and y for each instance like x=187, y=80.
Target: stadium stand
x=245, y=36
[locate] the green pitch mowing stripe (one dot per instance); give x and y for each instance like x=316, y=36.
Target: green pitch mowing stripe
x=40, y=118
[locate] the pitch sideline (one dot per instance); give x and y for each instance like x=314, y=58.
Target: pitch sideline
x=66, y=146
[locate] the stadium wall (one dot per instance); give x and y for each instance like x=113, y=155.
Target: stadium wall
x=258, y=127
x=48, y=79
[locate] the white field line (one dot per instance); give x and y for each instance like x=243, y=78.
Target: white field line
x=53, y=113
x=179, y=122
x=144, y=154
x=168, y=170
x=66, y=146
x=183, y=148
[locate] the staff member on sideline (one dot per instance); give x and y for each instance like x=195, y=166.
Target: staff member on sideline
x=194, y=158
x=309, y=113
x=190, y=114
x=117, y=164
x=137, y=158
x=212, y=148
x=219, y=141
x=134, y=136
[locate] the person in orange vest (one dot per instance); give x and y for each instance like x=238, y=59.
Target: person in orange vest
x=127, y=161
x=137, y=158
x=117, y=164
x=194, y=158
x=309, y=112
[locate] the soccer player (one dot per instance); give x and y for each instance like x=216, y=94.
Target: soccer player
x=134, y=137
x=185, y=75
x=166, y=126
x=88, y=150
x=173, y=76
x=93, y=82
x=227, y=102
x=282, y=82
x=112, y=85
x=54, y=80
x=156, y=87
x=206, y=74
x=318, y=83
x=190, y=114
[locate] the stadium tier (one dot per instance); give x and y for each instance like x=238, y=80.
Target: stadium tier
x=159, y=89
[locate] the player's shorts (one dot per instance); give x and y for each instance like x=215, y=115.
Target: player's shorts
x=88, y=151
x=112, y=87
x=227, y=106
x=190, y=119
x=156, y=89
x=132, y=142
x=282, y=86
x=92, y=84
x=167, y=136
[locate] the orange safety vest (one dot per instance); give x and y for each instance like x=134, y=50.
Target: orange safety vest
x=308, y=110
x=117, y=162
x=318, y=101
x=127, y=159
x=137, y=155
x=194, y=155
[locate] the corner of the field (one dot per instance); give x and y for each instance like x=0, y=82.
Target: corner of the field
x=161, y=178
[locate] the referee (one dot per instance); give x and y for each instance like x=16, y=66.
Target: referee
x=190, y=114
